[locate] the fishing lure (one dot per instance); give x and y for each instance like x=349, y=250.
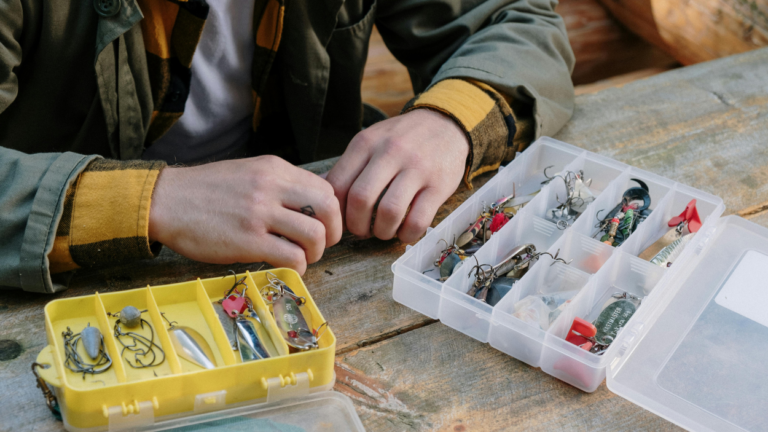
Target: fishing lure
x=668, y=248
x=190, y=345
x=244, y=335
x=492, y=283
x=286, y=307
x=625, y=217
x=578, y=197
x=597, y=337
x=669, y=254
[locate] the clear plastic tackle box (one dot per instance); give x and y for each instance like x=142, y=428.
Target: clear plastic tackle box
x=287, y=392
x=694, y=352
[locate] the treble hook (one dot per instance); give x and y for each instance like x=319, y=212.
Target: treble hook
x=549, y=179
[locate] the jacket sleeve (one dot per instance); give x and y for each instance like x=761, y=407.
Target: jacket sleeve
x=31, y=204
x=61, y=211
x=500, y=68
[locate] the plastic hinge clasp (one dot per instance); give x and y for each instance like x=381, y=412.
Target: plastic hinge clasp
x=294, y=385
x=629, y=341
x=707, y=236
x=132, y=415
x=210, y=401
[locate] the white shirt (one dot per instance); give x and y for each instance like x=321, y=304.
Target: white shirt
x=219, y=109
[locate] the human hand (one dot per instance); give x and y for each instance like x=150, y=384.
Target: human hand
x=419, y=157
x=236, y=211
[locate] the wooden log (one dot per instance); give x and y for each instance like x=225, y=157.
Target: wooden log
x=696, y=31
x=604, y=48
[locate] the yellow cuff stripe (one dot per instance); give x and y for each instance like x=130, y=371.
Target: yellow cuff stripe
x=112, y=204
x=466, y=102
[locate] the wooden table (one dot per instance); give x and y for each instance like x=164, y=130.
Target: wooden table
x=705, y=125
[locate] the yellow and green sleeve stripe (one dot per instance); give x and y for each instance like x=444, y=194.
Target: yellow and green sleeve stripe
x=106, y=216
x=496, y=126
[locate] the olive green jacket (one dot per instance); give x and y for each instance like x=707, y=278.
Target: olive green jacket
x=74, y=86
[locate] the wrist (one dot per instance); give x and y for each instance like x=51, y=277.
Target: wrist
x=445, y=122
x=157, y=209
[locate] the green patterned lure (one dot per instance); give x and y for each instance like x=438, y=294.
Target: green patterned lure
x=612, y=319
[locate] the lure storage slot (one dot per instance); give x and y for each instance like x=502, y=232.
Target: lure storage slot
x=78, y=313
x=267, y=329
x=422, y=292
x=189, y=306
x=523, y=339
x=658, y=189
x=582, y=252
x=470, y=315
x=657, y=225
x=154, y=330
x=587, y=256
x=599, y=173
x=579, y=367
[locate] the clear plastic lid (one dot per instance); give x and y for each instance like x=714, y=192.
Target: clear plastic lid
x=320, y=412
x=698, y=358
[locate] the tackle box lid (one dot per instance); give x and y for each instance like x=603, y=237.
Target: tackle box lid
x=322, y=411
x=293, y=408
x=697, y=357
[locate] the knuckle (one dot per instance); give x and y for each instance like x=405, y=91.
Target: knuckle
x=389, y=211
x=270, y=159
x=395, y=145
x=297, y=259
x=358, y=196
x=362, y=139
x=316, y=234
x=417, y=225
x=328, y=199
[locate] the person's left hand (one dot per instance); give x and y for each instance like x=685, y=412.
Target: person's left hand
x=419, y=157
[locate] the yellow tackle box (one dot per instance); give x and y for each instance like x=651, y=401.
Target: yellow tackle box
x=288, y=389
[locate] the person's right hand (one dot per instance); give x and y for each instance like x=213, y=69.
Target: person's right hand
x=237, y=211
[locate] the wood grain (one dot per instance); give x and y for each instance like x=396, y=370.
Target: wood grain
x=696, y=31
x=438, y=379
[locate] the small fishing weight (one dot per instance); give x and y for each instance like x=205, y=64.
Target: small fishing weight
x=93, y=343
x=286, y=307
x=142, y=347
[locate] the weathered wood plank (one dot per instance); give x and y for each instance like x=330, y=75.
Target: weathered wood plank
x=438, y=379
